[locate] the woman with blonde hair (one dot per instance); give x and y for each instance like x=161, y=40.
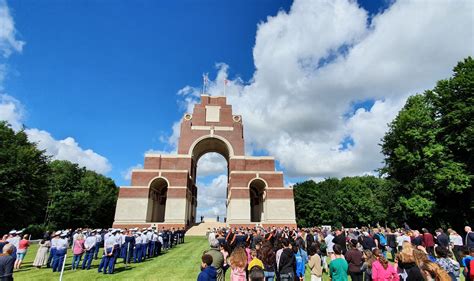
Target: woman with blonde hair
x=238, y=263
x=369, y=259
x=432, y=271
x=78, y=249
x=407, y=267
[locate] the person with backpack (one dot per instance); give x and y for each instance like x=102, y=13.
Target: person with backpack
x=380, y=241
x=301, y=258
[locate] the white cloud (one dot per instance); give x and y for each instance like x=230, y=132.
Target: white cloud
x=319, y=59
x=212, y=198
x=127, y=175
x=11, y=111
x=69, y=149
x=211, y=164
x=8, y=41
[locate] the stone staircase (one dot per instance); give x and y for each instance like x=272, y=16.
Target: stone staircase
x=202, y=228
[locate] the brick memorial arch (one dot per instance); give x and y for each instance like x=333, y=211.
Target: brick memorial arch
x=164, y=192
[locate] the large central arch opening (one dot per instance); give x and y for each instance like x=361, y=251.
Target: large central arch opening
x=211, y=173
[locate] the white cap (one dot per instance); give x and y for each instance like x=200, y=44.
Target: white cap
x=12, y=232
x=139, y=233
x=58, y=232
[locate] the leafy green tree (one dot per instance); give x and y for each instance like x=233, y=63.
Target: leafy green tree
x=351, y=201
x=428, y=151
x=79, y=197
x=23, y=173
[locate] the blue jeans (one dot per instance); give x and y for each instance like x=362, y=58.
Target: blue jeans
x=287, y=276
x=269, y=275
x=76, y=259
x=88, y=258
x=58, y=259
x=144, y=250
x=137, y=254
x=96, y=251
x=151, y=249
x=52, y=252
x=107, y=263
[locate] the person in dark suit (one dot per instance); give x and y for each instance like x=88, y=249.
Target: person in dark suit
x=6, y=263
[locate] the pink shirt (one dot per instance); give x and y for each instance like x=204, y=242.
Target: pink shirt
x=383, y=274
x=237, y=274
x=78, y=247
x=23, y=244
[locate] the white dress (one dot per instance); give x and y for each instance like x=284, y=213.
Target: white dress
x=42, y=254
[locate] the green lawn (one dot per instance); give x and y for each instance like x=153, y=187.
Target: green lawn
x=180, y=263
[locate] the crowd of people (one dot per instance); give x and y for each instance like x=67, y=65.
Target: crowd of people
x=131, y=245
x=367, y=254
x=276, y=253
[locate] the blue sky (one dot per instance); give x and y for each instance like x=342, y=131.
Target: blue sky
x=107, y=72
x=316, y=81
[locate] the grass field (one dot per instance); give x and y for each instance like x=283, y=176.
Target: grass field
x=180, y=263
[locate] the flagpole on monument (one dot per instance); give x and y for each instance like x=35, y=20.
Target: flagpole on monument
x=205, y=80
x=225, y=84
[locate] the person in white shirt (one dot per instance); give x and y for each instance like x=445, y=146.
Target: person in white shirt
x=137, y=252
x=149, y=236
x=61, y=245
x=154, y=244
x=145, y=241
x=108, y=259
x=98, y=237
x=14, y=238
x=90, y=244
x=52, y=251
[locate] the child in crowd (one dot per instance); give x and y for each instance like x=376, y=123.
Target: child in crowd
x=208, y=272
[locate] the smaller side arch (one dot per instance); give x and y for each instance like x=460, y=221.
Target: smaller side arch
x=257, y=194
x=158, y=193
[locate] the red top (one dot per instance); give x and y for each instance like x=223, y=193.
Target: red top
x=23, y=244
x=428, y=240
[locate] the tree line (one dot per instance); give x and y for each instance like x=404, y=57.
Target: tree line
x=427, y=177
x=38, y=193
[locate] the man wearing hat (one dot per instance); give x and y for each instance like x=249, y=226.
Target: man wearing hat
x=108, y=259
x=99, y=240
x=137, y=252
x=61, y=249
x=90, y=246
x=151, y=244
x=54, y=245
x=144, y=244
